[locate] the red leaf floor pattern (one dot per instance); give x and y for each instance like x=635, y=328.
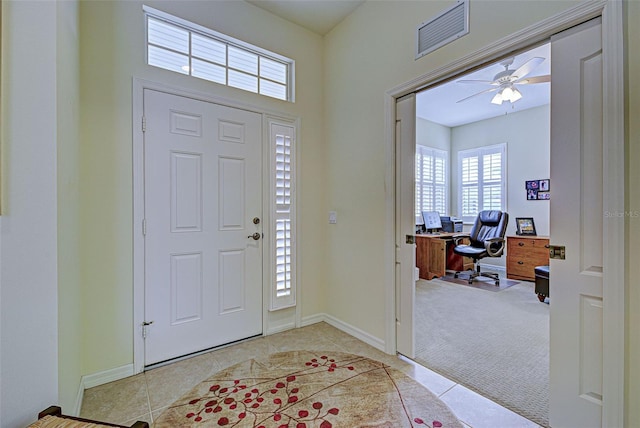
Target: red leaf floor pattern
x=304, y=389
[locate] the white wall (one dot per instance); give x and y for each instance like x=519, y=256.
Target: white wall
x=28, y=245
x=527, y=135
x=68, y=181
x=528, y=146
x=433, y=134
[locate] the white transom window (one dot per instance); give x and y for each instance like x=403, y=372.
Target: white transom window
x=184, y=47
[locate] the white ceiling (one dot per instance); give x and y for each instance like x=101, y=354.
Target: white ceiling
x=439, y=104
x=319, y=16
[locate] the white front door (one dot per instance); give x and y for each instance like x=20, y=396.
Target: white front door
x=577, y=223
x=203, y=205
x=405, y=223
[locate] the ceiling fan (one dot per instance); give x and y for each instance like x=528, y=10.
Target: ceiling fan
x=505, y=82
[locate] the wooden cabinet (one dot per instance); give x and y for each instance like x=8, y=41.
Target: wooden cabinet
x=524, y=253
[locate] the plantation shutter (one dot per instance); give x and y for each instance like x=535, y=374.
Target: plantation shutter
x=431, y=180
x=482, y=180
x=283, y=278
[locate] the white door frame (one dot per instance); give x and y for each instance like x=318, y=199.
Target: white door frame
x=613, y=158
x=139, y=85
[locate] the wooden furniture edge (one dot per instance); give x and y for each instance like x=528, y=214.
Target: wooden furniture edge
x=57, y=412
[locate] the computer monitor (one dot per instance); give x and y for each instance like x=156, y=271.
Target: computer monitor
x=432, y=221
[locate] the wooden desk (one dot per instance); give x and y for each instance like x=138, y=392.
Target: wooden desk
x=434, y=254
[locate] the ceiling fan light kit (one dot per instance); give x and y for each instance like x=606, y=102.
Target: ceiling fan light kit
x=508, y=93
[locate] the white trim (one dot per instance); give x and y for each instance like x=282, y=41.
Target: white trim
x=106, y=376
x=97, y=379
x=613, y=129
x=491, y=267
x=614, y=240
x=280, y=328
x=77, y=406
x=138, y=87
x=347, y=328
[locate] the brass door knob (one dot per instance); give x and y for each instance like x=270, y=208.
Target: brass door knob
x=255, y=236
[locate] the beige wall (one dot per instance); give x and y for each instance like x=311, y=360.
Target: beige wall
x=632, y=40
x=112, y=52
x=369, y=53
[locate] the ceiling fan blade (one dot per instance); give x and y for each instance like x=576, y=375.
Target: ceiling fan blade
x=527, y=67
x=479, y=93
x=535, y=79
x=488, y=82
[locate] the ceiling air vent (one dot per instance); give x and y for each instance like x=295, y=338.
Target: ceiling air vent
x=442, y=29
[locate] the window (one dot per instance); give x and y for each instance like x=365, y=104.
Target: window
x=431, y=180
x=482, y=180
x=282, y=138
x=187, y=48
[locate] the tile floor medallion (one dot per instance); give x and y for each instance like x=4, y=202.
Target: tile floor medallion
x=308, y=389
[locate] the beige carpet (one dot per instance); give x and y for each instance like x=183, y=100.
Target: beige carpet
x=495, y=343
x=305, y=389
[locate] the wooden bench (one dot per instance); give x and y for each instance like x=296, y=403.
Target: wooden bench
x=52, y=417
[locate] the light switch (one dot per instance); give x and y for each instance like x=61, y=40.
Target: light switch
x=333, y=217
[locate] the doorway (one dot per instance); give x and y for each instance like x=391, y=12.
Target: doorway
x=491, y=339
x=613, y=190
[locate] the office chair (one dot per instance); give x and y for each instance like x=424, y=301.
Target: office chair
x=486, y=240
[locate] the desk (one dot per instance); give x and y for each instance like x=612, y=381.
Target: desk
x=434, y=254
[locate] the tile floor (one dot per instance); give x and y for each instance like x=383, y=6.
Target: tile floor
x=145, y=396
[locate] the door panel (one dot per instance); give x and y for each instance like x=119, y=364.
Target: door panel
x=577, y=222
x=203, y=274
x=405, y=224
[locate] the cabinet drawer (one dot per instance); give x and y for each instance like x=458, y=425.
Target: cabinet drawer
x=528, y=244
x=524, y=269
x=528, y=253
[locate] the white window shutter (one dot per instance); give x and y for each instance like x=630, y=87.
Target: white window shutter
x=482, y=183
x=283, y=278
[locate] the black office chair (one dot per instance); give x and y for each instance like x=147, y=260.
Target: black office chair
x=486, y=240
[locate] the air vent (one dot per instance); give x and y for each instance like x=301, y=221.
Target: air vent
x=448, y=26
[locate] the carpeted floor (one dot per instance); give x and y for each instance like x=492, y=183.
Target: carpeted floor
x=306, y=389
x=496, y=343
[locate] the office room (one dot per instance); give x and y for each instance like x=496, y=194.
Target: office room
x=481, y=331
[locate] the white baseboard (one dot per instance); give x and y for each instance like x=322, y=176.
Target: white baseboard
x=100, y=378
x=97, y=379
x=78, y=404
x=280, y=328
x=347, y=328
x=490, y=268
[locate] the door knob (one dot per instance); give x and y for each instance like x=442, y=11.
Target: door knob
x=255, y=236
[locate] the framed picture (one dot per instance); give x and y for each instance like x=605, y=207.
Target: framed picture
x=544, y=186
x=544, y=195
x=525, y=226
x=537, y=189
x=532, y=184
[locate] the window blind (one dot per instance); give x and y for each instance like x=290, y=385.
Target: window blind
x=482, y=180
x=431, y=180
